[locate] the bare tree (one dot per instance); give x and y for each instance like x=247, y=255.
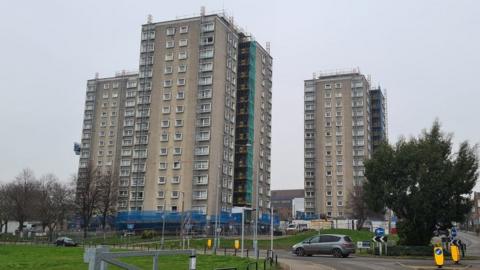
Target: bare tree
x=22, y=193
x=108, y=196
x=5, y=209
x=55, y=201
x=87, y=195
x=357, y=207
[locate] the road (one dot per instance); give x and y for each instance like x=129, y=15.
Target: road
x=472, y=241
x=321, y=262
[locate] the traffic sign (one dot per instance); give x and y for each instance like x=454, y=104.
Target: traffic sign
x=363, y=244
x=380, y=239
x=379, y=231
x=453, y=232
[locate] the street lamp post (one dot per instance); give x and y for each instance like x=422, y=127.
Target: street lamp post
x=243, y=229
x=163, y=223
x=182, y=217
x=255, y=242
x=255, y=232
x=271, y=228
x=215, y=240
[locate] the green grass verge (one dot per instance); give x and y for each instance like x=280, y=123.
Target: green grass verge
x=35, y=257
x=284, y=242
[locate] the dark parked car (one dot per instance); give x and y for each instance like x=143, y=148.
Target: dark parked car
x=335, y=244
x=65, y=241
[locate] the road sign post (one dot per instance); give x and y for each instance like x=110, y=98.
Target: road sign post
x=380, y=240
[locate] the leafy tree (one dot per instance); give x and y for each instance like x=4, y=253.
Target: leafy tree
x=423, y=182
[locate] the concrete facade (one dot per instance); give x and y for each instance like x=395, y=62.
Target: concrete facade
x=337, y=140
x=175, y=131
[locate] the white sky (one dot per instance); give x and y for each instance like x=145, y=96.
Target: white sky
x=426, y=53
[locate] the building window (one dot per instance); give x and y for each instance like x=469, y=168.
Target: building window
x=179, y=109
x=170, y=44
x=179, y=123
x=170, y=31
x=166, y=109
x=207, y=53
x=207, y=93
x=200, y=194
x=180, y=95
x=161, y=180
x=183, y=42
x=163, y=151
x=167, y=96
x=184, y=29
x=178, y=136
x=182, y=55
x=182, y=68
x=161, y=194
x=168, y=69
x=200, y=180
x=169, y=56
x=206, y=40
x=165, y=123
x=167, y=83
x=164, y=137
x=181, y=81
x=206, y=66
x=208, y=27
x=201, y=165
x=163, y=166
x=176, y=165
x=177, y=151
x=176, y=179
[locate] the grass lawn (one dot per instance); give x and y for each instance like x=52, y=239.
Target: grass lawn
x=31, y=257
x=284, y=242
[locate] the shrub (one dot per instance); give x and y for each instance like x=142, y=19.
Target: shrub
x=148, y=234
x=409, y=251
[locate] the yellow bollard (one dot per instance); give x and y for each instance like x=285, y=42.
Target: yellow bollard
x=455, y=253
x=209, y=243
x=237, y=244
x=438, y=256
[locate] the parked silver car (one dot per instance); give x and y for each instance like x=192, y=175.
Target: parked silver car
x=335, y=244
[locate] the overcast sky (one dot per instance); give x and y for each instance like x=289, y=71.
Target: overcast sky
x=426, y=53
